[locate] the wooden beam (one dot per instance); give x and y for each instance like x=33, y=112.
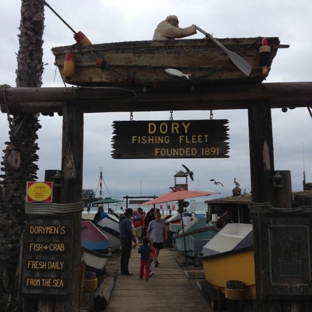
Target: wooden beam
x=99, y=99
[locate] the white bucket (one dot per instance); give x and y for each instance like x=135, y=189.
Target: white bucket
x=214, y=217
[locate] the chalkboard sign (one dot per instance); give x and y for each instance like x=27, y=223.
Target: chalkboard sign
x=47, y=254
x=170, y=139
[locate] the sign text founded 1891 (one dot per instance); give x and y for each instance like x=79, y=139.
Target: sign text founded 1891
x=170, y=139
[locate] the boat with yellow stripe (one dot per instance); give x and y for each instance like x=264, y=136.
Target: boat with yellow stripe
x=228, y=262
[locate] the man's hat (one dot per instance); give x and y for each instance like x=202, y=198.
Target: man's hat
x=172, y=18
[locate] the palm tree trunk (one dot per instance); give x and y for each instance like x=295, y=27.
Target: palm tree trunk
x=20, y=155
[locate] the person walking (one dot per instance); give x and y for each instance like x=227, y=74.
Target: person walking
x=150, y=216
x=98, y=215
x=126, y=239
x=152, y=256
x=138, y=224
x=144, y=229
x=157, y=231
x=145, y=250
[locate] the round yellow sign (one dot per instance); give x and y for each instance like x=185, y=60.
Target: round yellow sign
x=39, y=191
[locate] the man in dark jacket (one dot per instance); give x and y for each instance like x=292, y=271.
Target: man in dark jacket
x=126, y=238
x=226, y=218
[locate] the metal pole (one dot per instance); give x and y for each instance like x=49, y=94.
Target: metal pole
x=183, y=232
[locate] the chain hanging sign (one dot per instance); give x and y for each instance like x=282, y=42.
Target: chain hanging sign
x=170, y=139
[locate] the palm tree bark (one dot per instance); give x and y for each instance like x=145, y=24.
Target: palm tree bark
x=20, y=156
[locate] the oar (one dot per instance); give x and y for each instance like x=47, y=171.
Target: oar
x=79, y=36
x=240, y=63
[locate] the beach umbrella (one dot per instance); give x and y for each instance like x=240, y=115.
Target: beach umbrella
x=176, y=196
x=107, y=200
x=179, y=195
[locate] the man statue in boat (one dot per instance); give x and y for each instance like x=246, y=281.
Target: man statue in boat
x=169, y=29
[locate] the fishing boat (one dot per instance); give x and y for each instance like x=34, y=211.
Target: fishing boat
x=173, y=226
x=113, y=238
x=229, y=258
x=174, y=223
x=237, y=205
x=146, y=63
x=109, y=222
x=109, y=225
x=92, y=238
x=196, y=229
x=95, y=261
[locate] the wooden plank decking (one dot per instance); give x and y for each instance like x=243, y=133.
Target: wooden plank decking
x=169, y=289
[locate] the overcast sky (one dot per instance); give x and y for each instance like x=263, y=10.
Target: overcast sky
x=104, y=21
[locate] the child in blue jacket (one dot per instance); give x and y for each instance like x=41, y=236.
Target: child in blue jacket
x=145, y=250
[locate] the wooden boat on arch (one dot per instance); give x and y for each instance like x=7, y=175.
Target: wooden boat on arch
x=143, y=63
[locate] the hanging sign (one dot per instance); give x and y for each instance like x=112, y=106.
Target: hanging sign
x=170, y=139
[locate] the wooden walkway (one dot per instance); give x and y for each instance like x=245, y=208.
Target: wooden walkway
x=169, y=289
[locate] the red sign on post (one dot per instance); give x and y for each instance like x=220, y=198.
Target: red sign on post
x=39, y=191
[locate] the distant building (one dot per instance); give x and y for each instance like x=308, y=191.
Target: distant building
x=87, y=194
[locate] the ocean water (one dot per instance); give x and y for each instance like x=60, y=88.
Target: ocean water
x=195, y=206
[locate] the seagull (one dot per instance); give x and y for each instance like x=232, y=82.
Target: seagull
x=189, y=172
x=236, y=183
x=216, y=183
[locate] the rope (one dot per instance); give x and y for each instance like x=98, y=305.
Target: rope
x=4, y=87
x=53, y=208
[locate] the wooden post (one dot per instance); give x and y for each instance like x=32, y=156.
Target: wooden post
x=261, y=171
x=266, y=190
x=261, y=151
x=71, y=192
x=72, y=168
